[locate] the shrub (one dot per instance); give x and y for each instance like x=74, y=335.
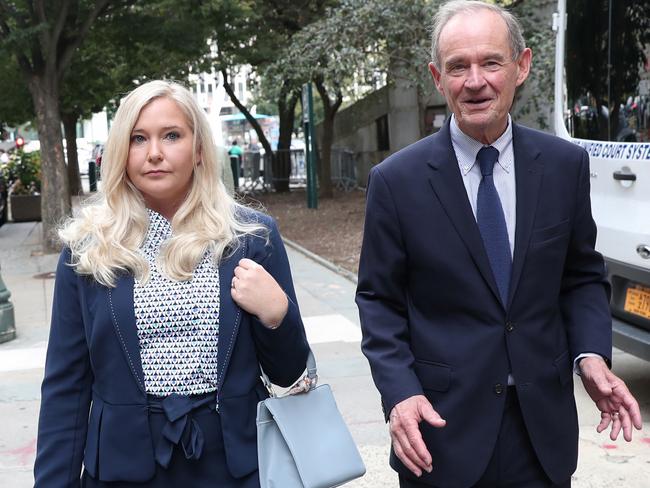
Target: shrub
x=22, y=174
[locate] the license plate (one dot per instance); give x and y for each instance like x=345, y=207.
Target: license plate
x=637, y=301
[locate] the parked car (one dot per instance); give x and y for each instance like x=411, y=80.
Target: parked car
x=96, y=156
x=97, y=153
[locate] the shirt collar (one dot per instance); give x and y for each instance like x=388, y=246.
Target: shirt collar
x=160, y=229
x=467, y=148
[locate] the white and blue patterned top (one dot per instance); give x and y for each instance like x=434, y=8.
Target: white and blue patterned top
x=177, y=321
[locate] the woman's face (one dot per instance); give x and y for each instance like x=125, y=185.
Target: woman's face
x=160, y=156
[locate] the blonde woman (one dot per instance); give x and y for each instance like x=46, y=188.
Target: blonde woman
x=168, y=297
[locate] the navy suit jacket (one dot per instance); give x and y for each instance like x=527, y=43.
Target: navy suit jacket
x=94, y=403
x=431, y=316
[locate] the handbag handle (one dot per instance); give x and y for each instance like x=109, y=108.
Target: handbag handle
x=303, y=385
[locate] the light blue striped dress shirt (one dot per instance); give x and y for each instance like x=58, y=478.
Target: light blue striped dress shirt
x=466, y=150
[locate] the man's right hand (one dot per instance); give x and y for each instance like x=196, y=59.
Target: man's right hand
x=405, y=432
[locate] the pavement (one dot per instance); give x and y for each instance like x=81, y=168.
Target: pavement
x=326, y=300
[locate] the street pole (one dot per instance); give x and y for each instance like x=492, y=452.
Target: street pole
x=7, y=322
x=311, y=153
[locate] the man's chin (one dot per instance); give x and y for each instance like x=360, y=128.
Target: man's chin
x=477, y=124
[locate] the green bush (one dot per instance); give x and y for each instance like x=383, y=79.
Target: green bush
x=22, y=174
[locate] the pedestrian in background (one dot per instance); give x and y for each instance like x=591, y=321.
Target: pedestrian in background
x=168, y=297
x=236, y=162
x=480, y=291
x=255, y=159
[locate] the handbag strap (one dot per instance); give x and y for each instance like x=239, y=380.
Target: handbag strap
x=303, y=385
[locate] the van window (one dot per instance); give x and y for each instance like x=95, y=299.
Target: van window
x=608, y=70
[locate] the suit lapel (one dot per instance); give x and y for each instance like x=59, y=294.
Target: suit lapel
x=447, y=184
x=528, y=176
x=229, y=312
x=120, y=304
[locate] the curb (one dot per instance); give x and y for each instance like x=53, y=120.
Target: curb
x=349, y=275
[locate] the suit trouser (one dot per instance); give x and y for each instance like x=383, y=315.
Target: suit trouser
x=514, y=463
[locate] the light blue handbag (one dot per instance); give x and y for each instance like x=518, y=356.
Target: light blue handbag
x=302, y=440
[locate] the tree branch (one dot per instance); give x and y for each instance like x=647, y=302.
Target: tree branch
x=58, y=28
x=10, y=11
x=4, y=28
x=39, y=10
x=252, y=120
x=68, y=51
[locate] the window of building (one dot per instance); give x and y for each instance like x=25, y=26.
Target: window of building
x=383, y=141
x=434, y=118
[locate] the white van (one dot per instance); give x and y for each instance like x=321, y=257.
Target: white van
x=616, y=135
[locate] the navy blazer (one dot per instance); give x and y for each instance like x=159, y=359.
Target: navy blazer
x=94, y=404
x=432, y=319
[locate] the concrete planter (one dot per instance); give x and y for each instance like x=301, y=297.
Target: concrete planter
x=7, y=320
x=25, y=208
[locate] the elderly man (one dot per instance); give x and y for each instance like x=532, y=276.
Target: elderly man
x=480, y=291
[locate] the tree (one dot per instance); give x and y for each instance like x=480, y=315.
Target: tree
x=15, y=103
x=248, y=33
x=349, y=52
x=285, y=18
x=43, y=36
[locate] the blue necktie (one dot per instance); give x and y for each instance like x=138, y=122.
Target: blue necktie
x=492, y=223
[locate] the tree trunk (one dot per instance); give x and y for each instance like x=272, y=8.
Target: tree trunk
x=55, y=197
x=70, y=131
x=282, y=168
x=325, y=167
x=252, y=120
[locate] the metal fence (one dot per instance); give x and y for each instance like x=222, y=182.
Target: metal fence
x=344, y=170
x=256, y=173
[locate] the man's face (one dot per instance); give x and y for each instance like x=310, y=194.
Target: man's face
x=477, y=75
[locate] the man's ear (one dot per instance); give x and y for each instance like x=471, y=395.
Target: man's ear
x=523, y=63
x=436, y=78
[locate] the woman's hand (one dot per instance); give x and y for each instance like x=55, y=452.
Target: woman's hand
x=257, y=292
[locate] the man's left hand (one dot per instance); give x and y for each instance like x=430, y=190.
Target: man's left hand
x=610, y=394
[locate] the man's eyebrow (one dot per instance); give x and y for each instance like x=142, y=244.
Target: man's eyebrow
x=454, y=60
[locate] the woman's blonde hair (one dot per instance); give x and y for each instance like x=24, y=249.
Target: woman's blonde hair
x=105, y=237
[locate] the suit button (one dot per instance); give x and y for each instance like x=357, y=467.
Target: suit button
x=510, y=326
x=498, y=388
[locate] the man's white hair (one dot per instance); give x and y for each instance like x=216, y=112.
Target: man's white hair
x=454, y=7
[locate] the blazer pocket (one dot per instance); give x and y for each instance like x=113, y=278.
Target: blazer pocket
x=433, y=376
x=550, y=232
x=564, y=368
x=237, y=415
x=91, y=453
x=126, y=451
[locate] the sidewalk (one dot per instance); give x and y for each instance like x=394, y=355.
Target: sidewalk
x=330, y=316
x=327, y=304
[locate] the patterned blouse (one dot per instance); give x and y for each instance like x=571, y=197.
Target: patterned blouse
x=178, y=322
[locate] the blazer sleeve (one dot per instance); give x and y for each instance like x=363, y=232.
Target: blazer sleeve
x=282, y=351
x=585, y=291
x=66, y=388
x=382, y=298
